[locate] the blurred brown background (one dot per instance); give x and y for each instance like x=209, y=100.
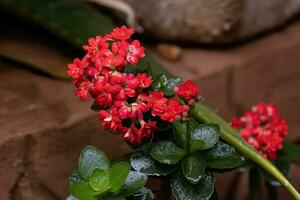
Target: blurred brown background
x=238, y=52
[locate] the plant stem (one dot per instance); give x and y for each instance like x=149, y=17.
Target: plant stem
x=254, y=184
x=205, y=114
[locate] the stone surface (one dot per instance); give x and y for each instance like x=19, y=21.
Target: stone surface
x=43, y=129
x=233, y=79
x=211, y=22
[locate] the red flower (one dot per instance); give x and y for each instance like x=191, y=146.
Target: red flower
x=144, y=80
x=76, y=68
x=121, y=96
x=135, y=52
x=132, y=136
x=122, y=33
x=96, y=47
x=187, y=90
x=147, y=129
x=263, y=128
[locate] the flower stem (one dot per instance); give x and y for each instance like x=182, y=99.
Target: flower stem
x=205, y=114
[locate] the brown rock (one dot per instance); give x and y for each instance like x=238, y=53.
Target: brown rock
x=11, y=165
x=43, y=129
x=211, y=22
x=56, y=152
x=29, y=188
x=169, y=52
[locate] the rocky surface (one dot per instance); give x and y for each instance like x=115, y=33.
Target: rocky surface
x=235, y=78
x=212, y=21
x=44, y=127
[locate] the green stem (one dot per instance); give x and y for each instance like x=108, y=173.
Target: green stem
x=203, y=113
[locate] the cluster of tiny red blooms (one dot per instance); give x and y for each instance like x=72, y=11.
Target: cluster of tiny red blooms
x=263, y=128
x=125, y=98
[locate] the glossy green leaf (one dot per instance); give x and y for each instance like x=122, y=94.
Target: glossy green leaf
x=179, y=131
x=90, y=159
x=168, y=92
x=222, y=156
x=134, y=182
x=142, y=161
x=205, y=136
x=214, y=196
x=143, y=194
x=291, y=151
x=117, y=175
x=193, y=169
x=99, y=181
x=115, y=198
x=184, y=190
x=167, y=152
x=159, y=82
x=75, y=177
x=168, y=86
x=71, y=198
x=172, y=82
x=81, y=190
x=95, y=107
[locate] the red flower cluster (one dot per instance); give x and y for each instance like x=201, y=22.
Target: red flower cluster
x=189, y=91
x=263, y=128
x=127, y=105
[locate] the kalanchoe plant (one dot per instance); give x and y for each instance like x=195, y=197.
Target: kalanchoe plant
x=263, y=128
x=172, y=132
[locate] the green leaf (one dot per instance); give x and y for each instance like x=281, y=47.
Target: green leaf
x=91, y=159
x=81, y=190
x=71, y=198
x=214, y=196
x=168, y=87
x=222, y=156
x=183, y=190
x=143, y=194
x=168, y=92
x=115, y=198
x=165, y=85
x=205, y=136
x=291, y=152
x=193, y=169
x=99, y=181
x=95, y=107
x=134, y=182
x=159, y=82
x=117, y=175
x=172, y=82
x=179, y=131
x=283, y=164
x=74, y=21
x=142, y=161
x=75, y=177
x=167, y=153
